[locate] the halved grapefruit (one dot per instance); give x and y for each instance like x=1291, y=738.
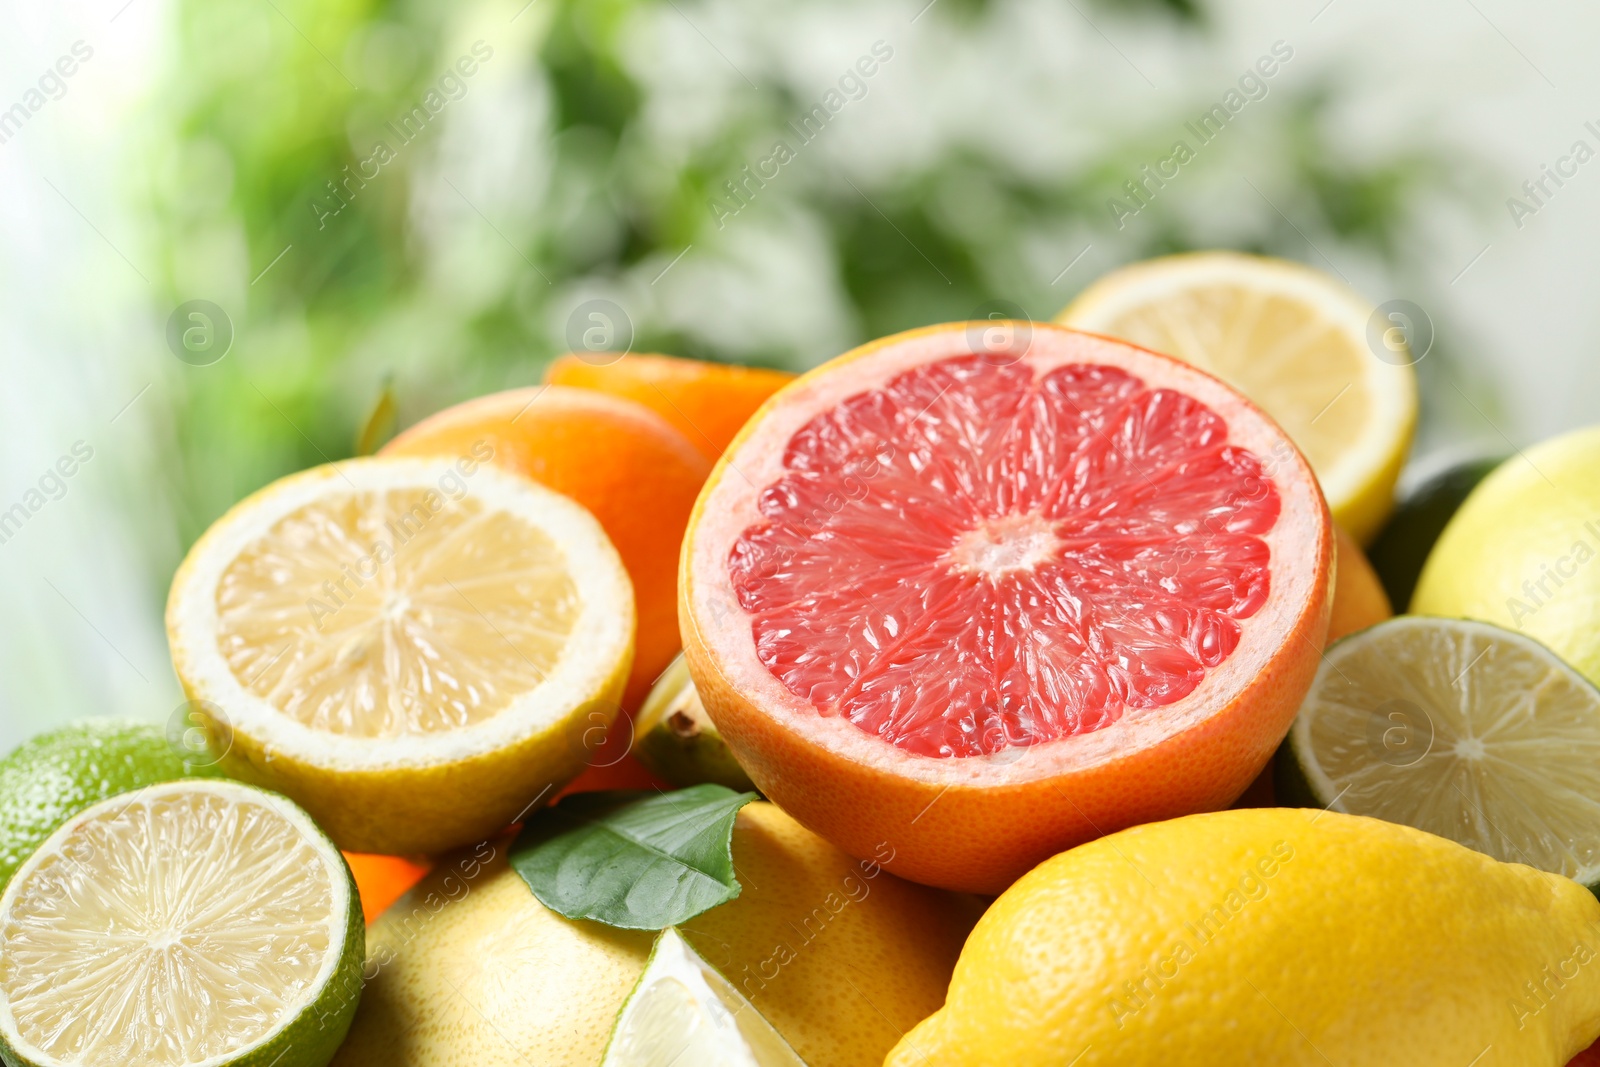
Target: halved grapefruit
x=973, y=594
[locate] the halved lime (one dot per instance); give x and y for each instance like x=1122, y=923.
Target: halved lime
x=683, y=1012
x=1459, y=728
x=185, y=924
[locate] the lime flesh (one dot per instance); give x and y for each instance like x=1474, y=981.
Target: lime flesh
x=186, y=924
x=1458, y=728
x=683, y=1012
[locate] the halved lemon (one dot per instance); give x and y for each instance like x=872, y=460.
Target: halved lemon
x=1459, y=728
x=416, y=650
x=683, y=1012
x=197, y=923
x=1293, y=340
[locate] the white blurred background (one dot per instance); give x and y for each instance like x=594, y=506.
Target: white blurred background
x=183, y=156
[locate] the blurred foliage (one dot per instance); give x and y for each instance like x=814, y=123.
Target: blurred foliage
x=584, y=157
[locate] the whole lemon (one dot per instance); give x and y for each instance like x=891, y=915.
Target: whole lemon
x=1273, y=936
x=1524, y=551
x=839, y=955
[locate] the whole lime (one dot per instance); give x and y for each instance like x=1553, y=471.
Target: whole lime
x=46, y=781
x=1411, y=532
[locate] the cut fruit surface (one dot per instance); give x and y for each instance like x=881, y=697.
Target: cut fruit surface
x=376, y=633
x=682, y=1011
x=1293, y=340
x=623, y=463
x=929, y=567
x=1459, y=728
x=186, y=924
x=1014, y=557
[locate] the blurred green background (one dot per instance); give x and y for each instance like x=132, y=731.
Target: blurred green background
x=408, y=202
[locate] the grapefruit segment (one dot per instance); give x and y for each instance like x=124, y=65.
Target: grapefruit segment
x=1059, y=590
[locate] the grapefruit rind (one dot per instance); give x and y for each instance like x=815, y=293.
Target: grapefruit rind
x=978, y=822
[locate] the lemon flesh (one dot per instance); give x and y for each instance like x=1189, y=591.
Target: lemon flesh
x=682, y=1011
x=1292, y=340
x=415, y=650
x=195, y=922
x=468, y=614
x=1462, y=729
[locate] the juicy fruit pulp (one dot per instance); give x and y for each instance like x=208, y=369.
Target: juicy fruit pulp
x=683, y=1011
x=985, y=604
x=1461, y=729
x=181, y=924
x=415, y=650
x=469, y=613
x=975, y=557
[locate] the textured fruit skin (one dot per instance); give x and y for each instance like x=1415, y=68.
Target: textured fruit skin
x=708, y=402
x=1326, y=938
x=473, y=970
x=1521, y=551
x=980, y=838
x=1402, y=548
x=315, y=1034
x=1358, y=597
x=46, y=781
x=632, y=470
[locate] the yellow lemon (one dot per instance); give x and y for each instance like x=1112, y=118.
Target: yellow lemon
x=416, y=650
x=838, y=955
x=1293, y=340
x=1522, y=551
x=1273, y=936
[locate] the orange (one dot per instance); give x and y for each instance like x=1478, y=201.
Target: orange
x=983, y=593
x=707, y=402
x=1358, y=597
x=382, y=880
x=624, y=463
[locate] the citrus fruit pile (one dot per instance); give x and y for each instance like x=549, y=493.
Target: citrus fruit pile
x=996, y=692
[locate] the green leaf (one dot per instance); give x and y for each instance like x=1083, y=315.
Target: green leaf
x=641, y=861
